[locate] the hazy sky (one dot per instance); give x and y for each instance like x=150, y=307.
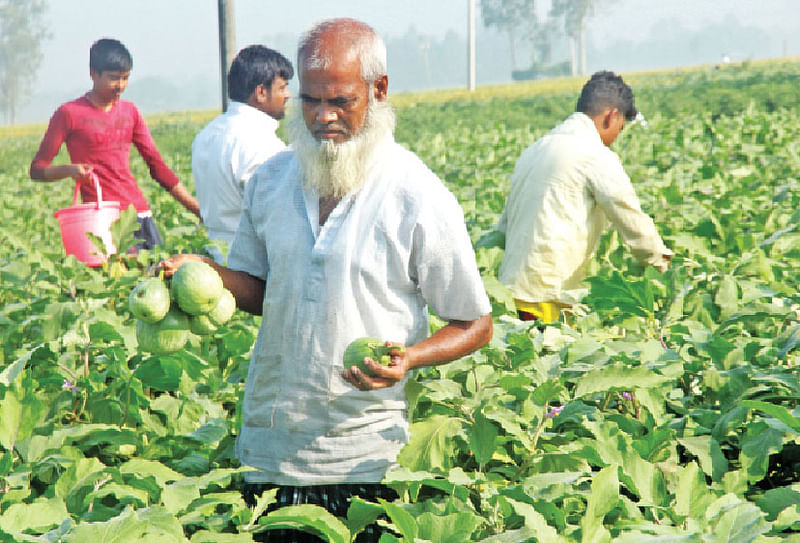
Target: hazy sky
x=177, y=39
x=180, y=36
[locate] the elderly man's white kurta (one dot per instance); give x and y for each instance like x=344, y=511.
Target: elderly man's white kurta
x=383, y=256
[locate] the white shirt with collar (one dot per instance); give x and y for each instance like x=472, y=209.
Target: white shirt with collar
x=563, y=188
x=224, y=156
x=383, y=257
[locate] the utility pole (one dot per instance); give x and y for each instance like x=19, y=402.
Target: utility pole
x=471, y=45
x=227, y=44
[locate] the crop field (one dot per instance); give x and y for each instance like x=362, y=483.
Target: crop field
x=664, y=410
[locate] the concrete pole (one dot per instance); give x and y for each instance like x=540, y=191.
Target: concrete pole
x=227, y=44
x=471, y=45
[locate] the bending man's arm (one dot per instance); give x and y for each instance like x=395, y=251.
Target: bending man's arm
x=457, y=339
x=247, y=289
x=614, y=193
x=182, y=194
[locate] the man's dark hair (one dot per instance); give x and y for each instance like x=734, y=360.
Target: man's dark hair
x=109, y=55
x=606, y=89
x=253, y=66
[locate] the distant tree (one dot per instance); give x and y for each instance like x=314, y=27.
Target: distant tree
x=517, y=18
x=22, y=32
x=574, y=13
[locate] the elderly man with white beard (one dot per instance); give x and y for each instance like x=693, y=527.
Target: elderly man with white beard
x=344, y=235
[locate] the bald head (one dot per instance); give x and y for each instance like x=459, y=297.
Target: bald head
x=336, y=39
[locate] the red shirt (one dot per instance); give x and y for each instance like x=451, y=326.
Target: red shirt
x=103, y=140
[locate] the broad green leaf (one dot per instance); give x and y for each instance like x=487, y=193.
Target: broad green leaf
x=788, y=518
x=740, y=522
x=78, y=480
x=535, y=522
x=160, y=373
x=482, y=435
x=124, y=528
x=144, y=468
x=618, y=377
x=727, y=297
x=452, y=528
x=778, y=411
x=692, y=495
x=178, y=495
x=361, y=514
x=602, y=499
x=498, y=292
x=776, y=500
x=402, y=520
x=20, y=412
x=432, y=444
x=708, y=453
x=39, y=516
x=758, y=443
x=308, y=518
x=792, y=341
x=205, y=536
x=10, y=373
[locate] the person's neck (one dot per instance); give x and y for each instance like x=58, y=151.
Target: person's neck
x=104, y=105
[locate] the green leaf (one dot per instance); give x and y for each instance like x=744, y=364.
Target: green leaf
x=361, y=514
x=775, y=500
x=709, y=455
x=499, y=293
x=482, y=436
x=142, y=467
x=727, y=297
x=735, y=521
x=535, y=522
x=692, y=495
x=10, y=373
x=124, y=528
x=603, y=498
x=618, y=377
x=205, y=536
x=178, y=495
x=20, y=412
x=308, y=518
x=78, y=480
x=431, y=446
x=122, y=230
x=160, y=373
x=39, y=516
x=778, y=411
x=452, y=528
x=403, y=521
x=758, y=443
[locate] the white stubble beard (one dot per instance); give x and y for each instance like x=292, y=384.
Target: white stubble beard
x=337, y=169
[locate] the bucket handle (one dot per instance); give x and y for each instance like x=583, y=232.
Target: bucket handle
x=93, y=177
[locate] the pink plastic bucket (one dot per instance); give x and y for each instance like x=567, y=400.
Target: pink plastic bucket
x=94, y=217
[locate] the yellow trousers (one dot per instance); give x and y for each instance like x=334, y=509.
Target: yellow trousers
x=543, y=311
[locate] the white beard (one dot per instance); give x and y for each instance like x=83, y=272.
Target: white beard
x=337, y=169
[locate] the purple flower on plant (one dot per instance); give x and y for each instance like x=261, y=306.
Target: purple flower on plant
x=627, y=396
x=69, y=385
x=554, y=410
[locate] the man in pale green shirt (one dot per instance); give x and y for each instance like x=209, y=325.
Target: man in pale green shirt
x=563, y=189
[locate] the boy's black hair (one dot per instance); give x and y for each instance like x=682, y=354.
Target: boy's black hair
x=253, y=66
x=109, y=55
x=606, y=89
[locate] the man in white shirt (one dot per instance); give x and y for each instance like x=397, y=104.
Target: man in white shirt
x=345, y=235
x=230, y=148
x=563, y=188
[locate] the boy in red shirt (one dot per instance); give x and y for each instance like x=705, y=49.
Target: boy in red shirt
x=98, y=129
